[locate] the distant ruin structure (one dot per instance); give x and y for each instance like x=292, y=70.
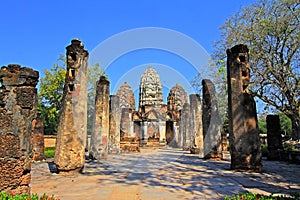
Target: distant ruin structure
x=176, y=99
x=100, y=133
x=274, y=138
x=245, y=146
x=71, y=135
x=155, y=124
x=18, y=111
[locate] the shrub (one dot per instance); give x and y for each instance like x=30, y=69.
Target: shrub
x=251, y=196
x=5, y=196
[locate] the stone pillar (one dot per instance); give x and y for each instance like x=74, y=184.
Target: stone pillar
x=176, y=134
x=125, y=122
x=144, y=134
x=211, y=121
x=131, y=125
x=244, y=140
x=18, y=105
x=185, y=127
x=100, y=133
x=180, y=131
x=196, y=124
x=274, y=138
x=72, y=129
x=37, y=138
x=162, y=133
x=114, y=124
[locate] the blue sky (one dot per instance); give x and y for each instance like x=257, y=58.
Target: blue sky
x=35, y=33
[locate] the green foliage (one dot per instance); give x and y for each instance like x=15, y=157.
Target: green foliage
x=251, y=196
x=5, y=196
x=271, y=31
x=288, y=147
x=285, y=124
x=262, y=124
x=50, y=96
x=49, y=152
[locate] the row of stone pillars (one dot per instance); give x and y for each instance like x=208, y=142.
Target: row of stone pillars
x=19, y=121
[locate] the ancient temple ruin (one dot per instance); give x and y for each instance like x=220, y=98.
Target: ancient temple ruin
x=18, y=112
x=245, y=146
x=155, y=124
x=71, y=135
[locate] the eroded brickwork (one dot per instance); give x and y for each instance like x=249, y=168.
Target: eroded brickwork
x=37, y=138
x=18, y=103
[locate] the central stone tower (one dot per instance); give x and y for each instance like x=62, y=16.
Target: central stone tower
x=150, y=90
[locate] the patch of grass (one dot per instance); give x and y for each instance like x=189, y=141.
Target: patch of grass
x=49, y=152
x=5, y=196
x=251, y=196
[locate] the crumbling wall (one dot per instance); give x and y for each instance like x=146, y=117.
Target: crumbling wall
x=18, y=103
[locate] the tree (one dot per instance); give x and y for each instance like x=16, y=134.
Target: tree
x=50, y=96
x=285, y=124
x=94, y=75
x=271, y=30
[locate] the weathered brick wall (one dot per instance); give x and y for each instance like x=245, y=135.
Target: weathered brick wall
x=18, y=103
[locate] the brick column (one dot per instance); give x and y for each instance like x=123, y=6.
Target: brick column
x=18, y=104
